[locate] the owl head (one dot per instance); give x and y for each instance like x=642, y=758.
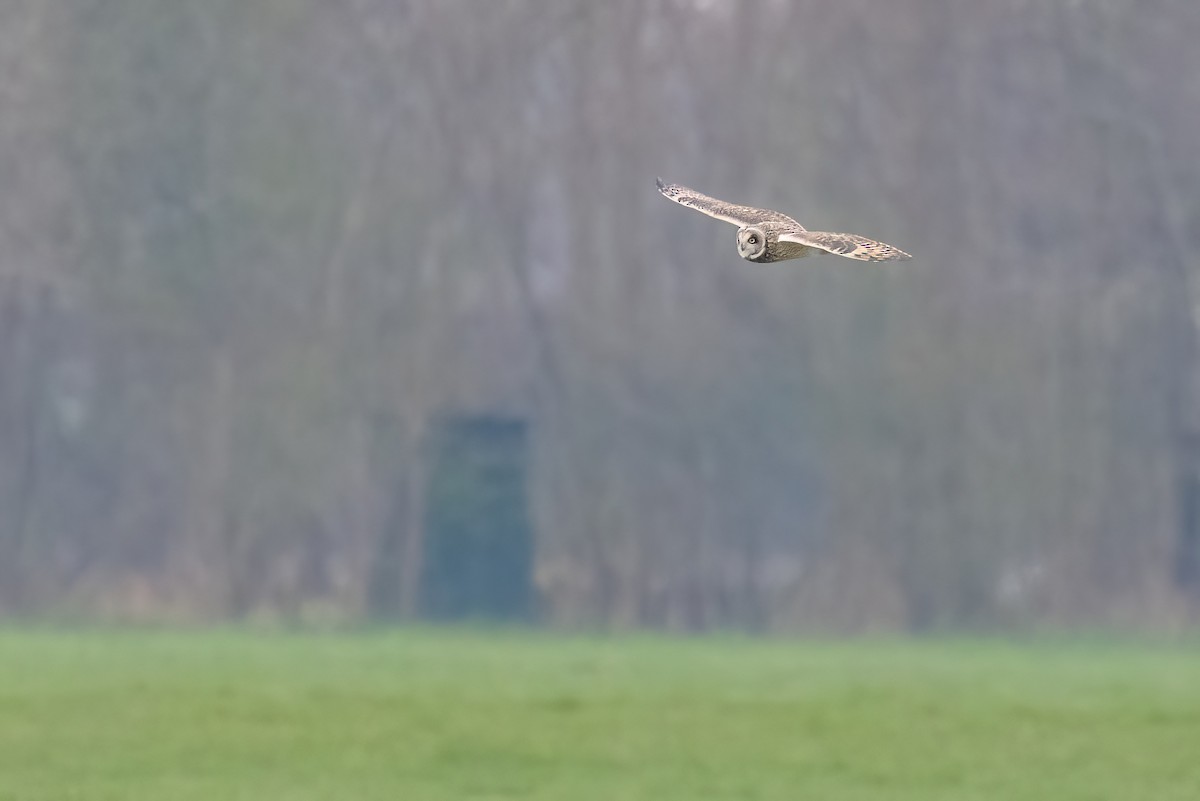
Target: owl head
x=752, y=242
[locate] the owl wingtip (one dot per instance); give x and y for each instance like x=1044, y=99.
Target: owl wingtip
x=658, y=182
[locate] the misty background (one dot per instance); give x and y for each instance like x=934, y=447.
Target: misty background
x=319, y=311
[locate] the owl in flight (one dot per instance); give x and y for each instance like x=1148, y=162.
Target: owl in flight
x=765, y=236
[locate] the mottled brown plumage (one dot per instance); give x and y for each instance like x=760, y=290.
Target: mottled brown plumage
x=766, y=236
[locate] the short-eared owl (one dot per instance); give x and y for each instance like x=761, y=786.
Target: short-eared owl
x=764, y=235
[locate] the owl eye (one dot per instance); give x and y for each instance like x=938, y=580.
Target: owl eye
x=752, y=239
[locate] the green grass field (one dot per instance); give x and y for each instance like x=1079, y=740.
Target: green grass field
x=418, y=715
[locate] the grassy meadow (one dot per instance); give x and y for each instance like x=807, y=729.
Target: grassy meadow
x=429, y=715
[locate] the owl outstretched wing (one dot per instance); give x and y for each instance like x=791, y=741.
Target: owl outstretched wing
x=851, y=246
x=729, y=212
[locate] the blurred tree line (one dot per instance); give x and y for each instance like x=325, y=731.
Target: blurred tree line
x=251, y=253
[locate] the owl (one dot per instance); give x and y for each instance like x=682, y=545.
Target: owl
x=765, y=236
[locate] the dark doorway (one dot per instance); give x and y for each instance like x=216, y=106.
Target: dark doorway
x=478, y=553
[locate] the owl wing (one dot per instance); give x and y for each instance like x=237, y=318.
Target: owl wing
x=849, y=245
x=729, y=212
